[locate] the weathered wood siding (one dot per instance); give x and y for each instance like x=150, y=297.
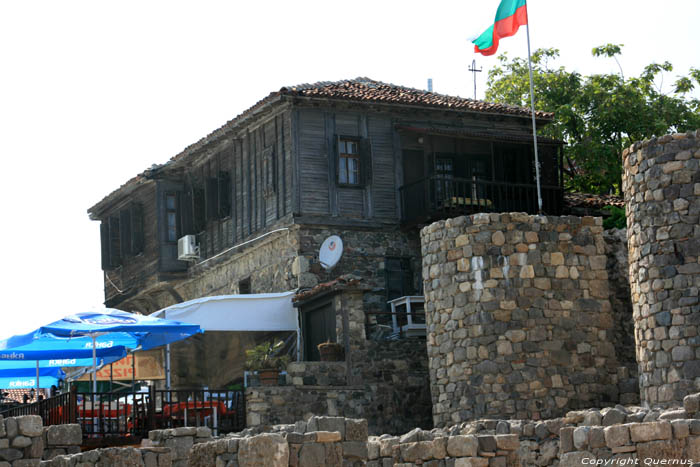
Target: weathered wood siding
x=259, y=162
x=135, y=270
x=318, y=132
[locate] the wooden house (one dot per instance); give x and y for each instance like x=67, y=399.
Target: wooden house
x=369, y=161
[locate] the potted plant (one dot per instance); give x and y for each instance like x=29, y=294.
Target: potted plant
x=264, y=359
x=331, y=352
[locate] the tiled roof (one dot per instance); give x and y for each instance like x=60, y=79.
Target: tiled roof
x=364, y=90
x=369, y=90
x=345, y=281
x=589, y=201
x=17, y=394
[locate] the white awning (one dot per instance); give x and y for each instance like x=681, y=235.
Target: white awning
x=250, y=312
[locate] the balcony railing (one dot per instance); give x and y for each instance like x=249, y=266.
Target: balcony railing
x=436, y=197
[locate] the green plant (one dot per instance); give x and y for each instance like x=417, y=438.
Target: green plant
x=266, y=356
x=617, y=218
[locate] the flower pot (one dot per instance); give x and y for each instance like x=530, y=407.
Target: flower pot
x=269, y=377
x=331, y=352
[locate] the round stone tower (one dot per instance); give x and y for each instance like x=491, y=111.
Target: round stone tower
x=518, y=315
x=661, y=182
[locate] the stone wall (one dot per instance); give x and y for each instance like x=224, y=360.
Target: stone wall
x=421, y=447
x=394, y=393
x=319, y=442
x=519, y=317
x=663, y=442
x=623, y=322
x=21, y=441
x=661, y=182
x=127, y=456
x=178, y=441
x=61, y=440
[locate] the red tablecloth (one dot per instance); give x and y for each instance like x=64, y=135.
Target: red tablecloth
x=202, y=407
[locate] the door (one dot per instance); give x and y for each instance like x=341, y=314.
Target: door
x=318, y=326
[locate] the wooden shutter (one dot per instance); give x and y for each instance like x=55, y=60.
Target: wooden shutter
x=115, y=255
x=365, y=161
x=187, y=213
x=104, y=239
x=212, y=198
x=199, y=209
x=168, y=261
x=125, y=232
x=136, y=228
x=224, y=194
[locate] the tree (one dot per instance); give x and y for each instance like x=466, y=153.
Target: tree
x=597, y=115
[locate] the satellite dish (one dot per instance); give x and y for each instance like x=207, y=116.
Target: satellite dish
x=331, y=251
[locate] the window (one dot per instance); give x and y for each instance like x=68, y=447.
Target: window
x=171, y=216
x=218, y=196
x=244, y=286
x=121, y=236
x=348, y=162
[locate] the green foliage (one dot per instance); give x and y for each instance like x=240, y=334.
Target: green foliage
x=597, y=115
x=617, y=218
x=266, y=356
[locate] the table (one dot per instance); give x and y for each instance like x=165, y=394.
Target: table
x=199, y=408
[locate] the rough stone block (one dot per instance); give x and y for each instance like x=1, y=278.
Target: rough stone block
x=355, y=450
x=566, y=439
x=617, y=435
x=418, y=451
x=670, y=449
x=386, y=445
x=691, y=403
x=581, y=437
x=471, y=462
x=64, y=435
x=11, y=427
x=613, y=417
x=643, y=432
x=185, y=431
x=265, y=450
x=313, y=455
x=10, y=454
x=356, y=429
x=462, y=446
x=330, y=424
x=21, y=442
x=328, y=436
x=507, y=442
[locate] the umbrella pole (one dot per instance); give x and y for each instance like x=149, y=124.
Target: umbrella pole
x=37, y=380
x=167, y=367
x=94, y=366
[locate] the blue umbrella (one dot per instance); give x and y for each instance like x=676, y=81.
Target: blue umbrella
x=145, y=332
x=37, y=346
x=27, y=382
x=129, y=329
x=19, y=378
x=45, y=350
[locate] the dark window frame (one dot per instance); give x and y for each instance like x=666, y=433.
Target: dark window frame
x=173, y=227
x=343, y=161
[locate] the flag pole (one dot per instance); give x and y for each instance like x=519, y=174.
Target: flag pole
x=534, y=125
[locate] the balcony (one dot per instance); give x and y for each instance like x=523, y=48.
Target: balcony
x=435, y=198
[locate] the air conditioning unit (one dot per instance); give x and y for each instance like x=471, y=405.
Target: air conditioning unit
x=187, y=248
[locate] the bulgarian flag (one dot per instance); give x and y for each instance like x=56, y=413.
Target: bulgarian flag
x=510, y=16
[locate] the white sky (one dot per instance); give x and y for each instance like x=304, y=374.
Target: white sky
x=94, y=92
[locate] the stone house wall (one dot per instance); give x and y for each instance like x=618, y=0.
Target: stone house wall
x=519, y=316
x=393, y=393
x=661, y=181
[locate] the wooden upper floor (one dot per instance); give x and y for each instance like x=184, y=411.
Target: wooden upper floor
x=354, y=153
